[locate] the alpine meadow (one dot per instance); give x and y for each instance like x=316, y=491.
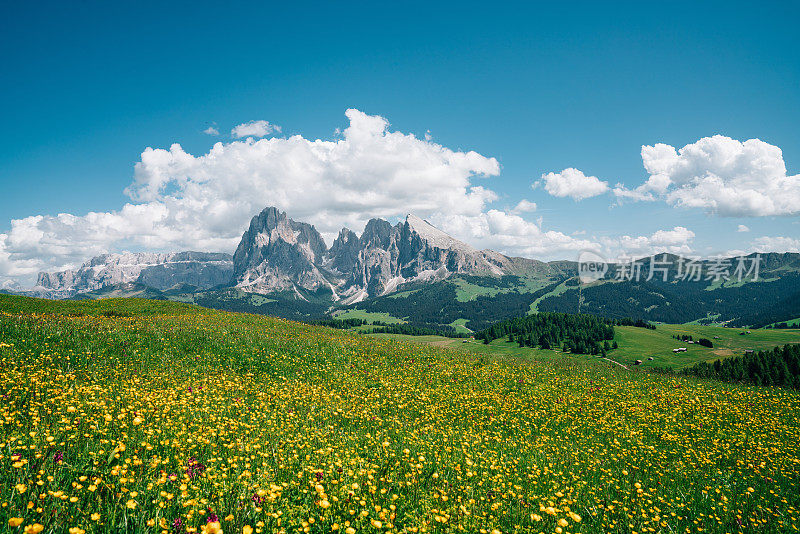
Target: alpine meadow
x=400, y=268
x=143, y=416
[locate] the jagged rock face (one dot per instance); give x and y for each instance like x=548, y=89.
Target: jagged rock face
x=378, y=260
x=344, y=252
x=160, y=271
x=425, y=248
x=277, y=253
x=61, y=280
x=378, y=234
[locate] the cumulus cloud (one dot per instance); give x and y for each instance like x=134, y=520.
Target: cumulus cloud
x=776, y=244
x=254, y=129
x=573, y=183
x=513, y=235
x=678, y=240
x=720, y=175
x=211, y=131
x=10, y=285
x=180, y=201
x=742, y=228
x=648, y=191
x=510, y=234
x=524, y=206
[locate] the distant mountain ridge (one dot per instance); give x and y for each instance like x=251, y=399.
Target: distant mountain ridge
x=201, y=270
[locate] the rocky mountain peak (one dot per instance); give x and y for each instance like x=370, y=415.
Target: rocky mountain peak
x=278, y=253
x=377, y=233
x=435, y=237
x=343, y=254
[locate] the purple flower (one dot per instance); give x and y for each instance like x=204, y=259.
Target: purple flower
x=58, y=456
x=194, y=468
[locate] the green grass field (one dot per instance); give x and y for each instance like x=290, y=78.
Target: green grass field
x=466, y=291
x=792, y=323
x=158, y=417
x=559, y=290
x=640, y=344
x=460, y=326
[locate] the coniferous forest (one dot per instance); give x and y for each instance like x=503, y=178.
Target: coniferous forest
x=777, y=367
x=580, y=334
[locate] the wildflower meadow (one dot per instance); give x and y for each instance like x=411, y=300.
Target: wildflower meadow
x=139, y=416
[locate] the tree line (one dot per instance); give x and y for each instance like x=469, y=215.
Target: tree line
x=777, y=367
x=781, y=326
x=342, y=324
x=381, y=327
x=416, y=330
x=754, y=304
x=577, y=333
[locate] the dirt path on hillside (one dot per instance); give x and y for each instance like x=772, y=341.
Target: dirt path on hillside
x=612, y=361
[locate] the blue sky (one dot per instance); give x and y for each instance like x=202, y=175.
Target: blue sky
x=539, y=87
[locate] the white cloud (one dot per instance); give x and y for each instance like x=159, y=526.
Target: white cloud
x=524, y=206
x=211, y=131
x=511, y=234
x=573, y=183
x=721, y=175
x=742, y=228
x=254, y=129
x=184, y=202
x=676, y=241
x=679, y=236
x=647, y=192
x=776, y=244
x=10, y=285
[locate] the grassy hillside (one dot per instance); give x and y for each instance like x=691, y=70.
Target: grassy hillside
x=641, y=344
x=141, y=416
x=117, y=307
x=638, y=344
x=791, y=323
x=741, y=303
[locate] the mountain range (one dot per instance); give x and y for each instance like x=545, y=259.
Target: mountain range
x=194, y=270
x=413, y=272
x=277, y=253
